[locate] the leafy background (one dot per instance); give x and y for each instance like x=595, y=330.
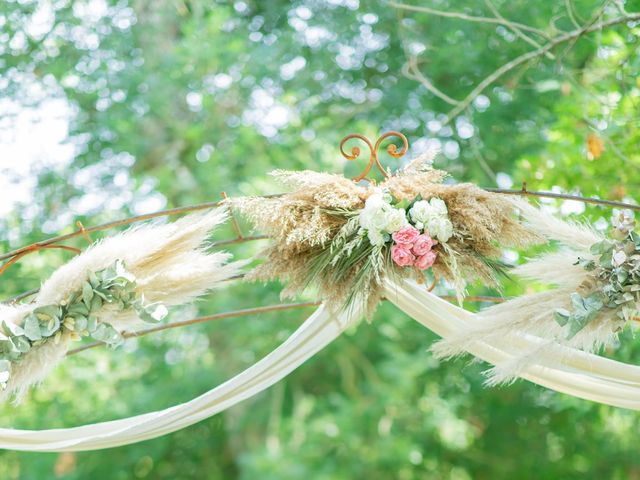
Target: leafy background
x=126, y=107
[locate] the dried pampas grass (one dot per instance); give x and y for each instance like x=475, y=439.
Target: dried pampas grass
x=171, y=265
x=533, y=313
x=305, y=222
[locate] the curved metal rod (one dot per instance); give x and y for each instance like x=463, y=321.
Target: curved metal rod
x=246, y=312
x=355, y=153
x=392, y=149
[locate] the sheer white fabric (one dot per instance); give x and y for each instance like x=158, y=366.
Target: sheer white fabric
x=565, y=370
x=314, y=334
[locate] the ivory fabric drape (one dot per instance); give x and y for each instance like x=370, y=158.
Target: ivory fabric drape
x=315, y=333
x=566, y=370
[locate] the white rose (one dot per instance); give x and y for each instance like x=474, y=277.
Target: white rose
x=439, y=228
x=375, y=237
x=445, y=230
x=366, y=217
x=438, y=207
x=420, y=211
x=431, y=226
x=380, y=219
x=375, y=201
x=396, y=219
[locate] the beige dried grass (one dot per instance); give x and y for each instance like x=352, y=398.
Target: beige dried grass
x=303, y=224
x=171, y=263
x=533, y=313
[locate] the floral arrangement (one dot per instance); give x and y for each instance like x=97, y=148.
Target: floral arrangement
x=409, y=227
x=109, y=288
x=75, y=317
x=594, y=285
x=344, y=238
x=613, y=284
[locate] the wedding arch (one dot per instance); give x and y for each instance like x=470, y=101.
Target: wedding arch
x=357, y=242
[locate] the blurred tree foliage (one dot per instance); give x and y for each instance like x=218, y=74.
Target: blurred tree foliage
x=173, y=101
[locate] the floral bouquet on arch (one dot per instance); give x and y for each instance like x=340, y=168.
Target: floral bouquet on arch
x=412, y=229
x=344, y=238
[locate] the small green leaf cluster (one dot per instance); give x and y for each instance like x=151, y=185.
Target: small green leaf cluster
x=614, y=279
x=77, y=316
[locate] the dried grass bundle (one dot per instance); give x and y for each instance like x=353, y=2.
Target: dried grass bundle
x=320, y=215
x=171, y=265
x=534, y=313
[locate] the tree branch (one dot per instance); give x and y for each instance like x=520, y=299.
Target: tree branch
x=515, y=29
x=524, y=58
x=411, y=71
x=469, y=18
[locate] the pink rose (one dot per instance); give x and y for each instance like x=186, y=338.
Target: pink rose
x=425, y=261
x=406, y=235
x=423, y=244
x=402, y=255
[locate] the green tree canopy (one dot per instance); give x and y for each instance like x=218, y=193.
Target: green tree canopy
x=168, y=103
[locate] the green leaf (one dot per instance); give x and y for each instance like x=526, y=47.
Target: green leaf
x=606, y=259
x=93, y=279
x=21, y=343
x=92, y=323
x=403, y=204
x=48, y=328
x=78, y=309
x=104, y=294
x=87, y=294
x=561, y=316
x=96, y=304
x=107, y=334
x=153, y=313
x=6, y=347
x=601, y=247
x=81, y=323
x=48, y=311
x=32, y=328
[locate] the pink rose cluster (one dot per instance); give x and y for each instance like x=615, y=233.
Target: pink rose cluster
x=413, y=249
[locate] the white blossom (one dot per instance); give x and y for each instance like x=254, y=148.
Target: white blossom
x=432, y=216
x=444, y=230
x=376, y=238
x=396, y=219
x=420, y=212
x=379, y=216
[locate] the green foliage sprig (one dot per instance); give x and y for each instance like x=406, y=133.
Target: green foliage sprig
x=77, y=316
x=614, y=282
